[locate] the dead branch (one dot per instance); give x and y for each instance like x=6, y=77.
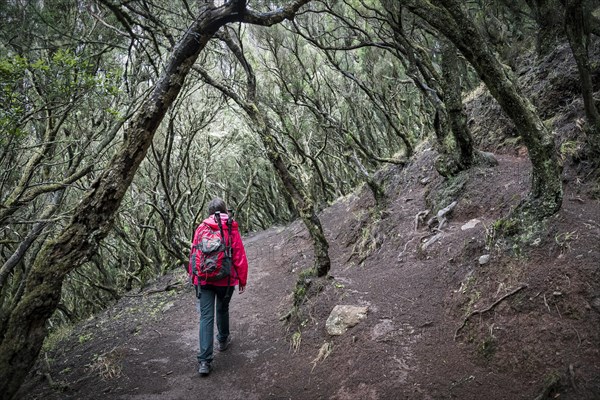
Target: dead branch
x=401, y=254
x=419, y=218
x=56, y=385
x=489, y=308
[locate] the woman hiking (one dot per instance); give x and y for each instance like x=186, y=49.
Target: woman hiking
x=217, y=264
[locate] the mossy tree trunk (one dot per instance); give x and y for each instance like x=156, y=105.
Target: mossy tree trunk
x=577, y=26
x=302, y=203
x=549, y=17
x=454, y=105
x=23, y=332
x=450, y=18
x=443, y=90
x=301, y=200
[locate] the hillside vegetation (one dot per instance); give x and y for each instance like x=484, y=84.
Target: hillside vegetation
x=442, y=321
x=432, y=164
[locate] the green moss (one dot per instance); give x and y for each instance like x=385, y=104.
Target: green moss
x=448, y=192
x=569, y=149
x=505, y=227
x=304, y=282
x=56, y=336
x=487, y=348
x=522, y=228
x=85, y=337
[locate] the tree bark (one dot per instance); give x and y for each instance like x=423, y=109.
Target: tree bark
x=577, y=27
x=549, y=17
x=306, y=207
x=453, y=139
x=301, y=201
x=450, y=19
x=454, y=106
x=24, y=332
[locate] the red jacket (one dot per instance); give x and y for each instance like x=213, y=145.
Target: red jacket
x=239, y=270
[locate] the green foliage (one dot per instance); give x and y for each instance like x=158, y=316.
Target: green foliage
x=56, y=336
x=487, y=347
x=85, y=337
x=12, y=107
x=447, y=192
x=569, y=148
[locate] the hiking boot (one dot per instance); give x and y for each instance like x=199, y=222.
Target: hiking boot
x=222, y=346
x=205, y=368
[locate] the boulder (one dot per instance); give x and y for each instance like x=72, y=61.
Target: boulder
x=470, y=225
x=343, y=317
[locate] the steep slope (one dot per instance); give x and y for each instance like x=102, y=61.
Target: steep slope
x=418, y=297
x=441, y=324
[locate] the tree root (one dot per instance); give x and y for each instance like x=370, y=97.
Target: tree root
x=401, y=254
x=420, y=218
x=552, y=385
x=56, y=385
x=489, y=308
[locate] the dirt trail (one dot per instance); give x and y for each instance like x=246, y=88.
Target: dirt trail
x=417, y=300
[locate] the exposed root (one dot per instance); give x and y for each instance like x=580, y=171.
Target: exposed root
x=324, y=352
x=420, y=218
x=56, y=385
x=489, y=308
x=401, y=254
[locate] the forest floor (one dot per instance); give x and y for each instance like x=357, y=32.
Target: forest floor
x=440, y=324
x=542, y=340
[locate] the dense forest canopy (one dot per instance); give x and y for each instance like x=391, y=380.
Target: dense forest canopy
x=120, y=120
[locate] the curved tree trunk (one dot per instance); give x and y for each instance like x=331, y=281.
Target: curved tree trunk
x=306, y=208
x=301, y=201
x=450, y=19
x=24, y=332
x=453, y=139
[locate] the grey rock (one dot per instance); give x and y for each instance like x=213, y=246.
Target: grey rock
x=484, y=259
x=343, y=317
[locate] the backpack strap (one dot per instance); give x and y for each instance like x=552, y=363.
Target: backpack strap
x=196, y=248
x=228, y=246
x=225, y=241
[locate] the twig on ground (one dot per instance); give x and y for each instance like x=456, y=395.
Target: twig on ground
x=404, y=251
x=324, y=352
x=406, y=298
x=546, y=303
x=578, y=337
x=572, y=376
x=420, y=217
x=489, y=308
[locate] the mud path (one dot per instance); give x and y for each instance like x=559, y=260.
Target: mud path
x=417, y=297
